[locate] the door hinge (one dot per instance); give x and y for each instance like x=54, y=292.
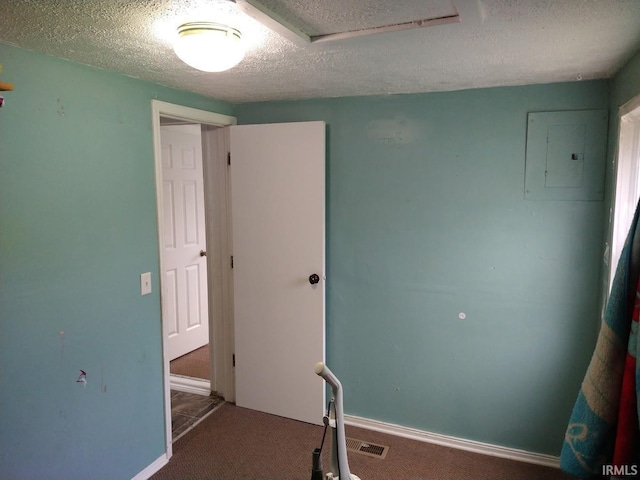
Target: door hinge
x=233, y=359
x=228, y=158
x=231, y=261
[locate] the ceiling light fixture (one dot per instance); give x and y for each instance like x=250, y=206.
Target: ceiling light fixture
x=208, y=46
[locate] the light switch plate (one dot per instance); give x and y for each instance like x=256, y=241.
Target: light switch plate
x=145, y=283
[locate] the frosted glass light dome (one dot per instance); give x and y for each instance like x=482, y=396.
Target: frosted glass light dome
x=209, y=46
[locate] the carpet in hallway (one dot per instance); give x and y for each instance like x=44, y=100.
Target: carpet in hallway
x=194, y=364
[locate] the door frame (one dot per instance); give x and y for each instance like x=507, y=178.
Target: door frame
x=217, y=216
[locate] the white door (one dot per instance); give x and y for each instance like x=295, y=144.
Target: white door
x=278, y=218
x=184, y=284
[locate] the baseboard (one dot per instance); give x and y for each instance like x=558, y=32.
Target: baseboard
x=454, y=442
x=152, y=469
x=190, y=385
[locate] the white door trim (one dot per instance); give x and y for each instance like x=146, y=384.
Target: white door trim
x=220, y=319
x=625, y=184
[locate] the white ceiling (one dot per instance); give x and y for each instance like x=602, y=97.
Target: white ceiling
x=496, y=43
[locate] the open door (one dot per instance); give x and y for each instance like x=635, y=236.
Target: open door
x=278, y=232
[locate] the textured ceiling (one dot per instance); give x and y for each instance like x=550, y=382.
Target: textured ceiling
x=334, y=16
x=497, y=42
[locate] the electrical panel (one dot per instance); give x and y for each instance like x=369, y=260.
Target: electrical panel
x=566, y=155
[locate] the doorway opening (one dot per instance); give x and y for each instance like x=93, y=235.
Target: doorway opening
x=183, y=240
x=627, y=187
x=193, y=232
x=270, y=314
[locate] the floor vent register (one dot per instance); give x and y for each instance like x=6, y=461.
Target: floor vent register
x=367, y=448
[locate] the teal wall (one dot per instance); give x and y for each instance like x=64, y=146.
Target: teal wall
x=426, y=219
x=78, y=227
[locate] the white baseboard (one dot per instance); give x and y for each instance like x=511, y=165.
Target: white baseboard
x=190, y=385
x=152, y=469
x=454, y=442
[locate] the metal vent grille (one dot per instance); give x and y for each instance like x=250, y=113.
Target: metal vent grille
x=367, y=448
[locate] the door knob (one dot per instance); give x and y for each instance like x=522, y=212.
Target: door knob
x=203, y=253
x=314, y=278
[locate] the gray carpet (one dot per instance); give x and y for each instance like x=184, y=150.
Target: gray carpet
x=236, y=443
